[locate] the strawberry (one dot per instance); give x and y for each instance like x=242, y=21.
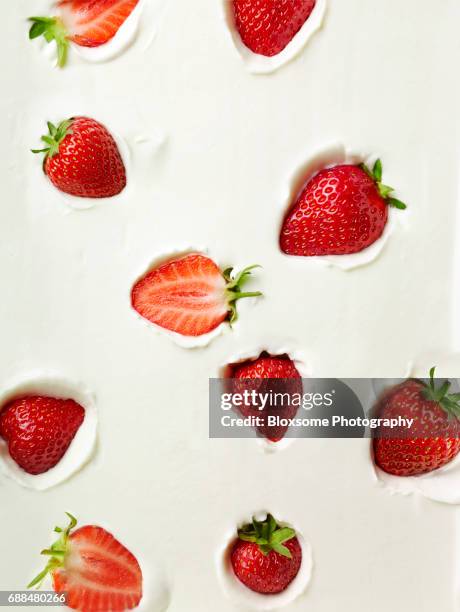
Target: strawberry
x=434, y=438
x=39, y=430
x=82, y=159
x=93, y=569
x=266, y=27
x=266, y=366
x=190, y=295
x=266, y=557
x=87, y=23
x=341, y=210
x=268, y=374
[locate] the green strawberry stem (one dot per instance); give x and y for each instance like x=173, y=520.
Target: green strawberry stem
x=384, y=190
x=57, y=552
x=51, y=28
x=233, y=289
x=54, y=138
x=268, y=535
x=439, y=394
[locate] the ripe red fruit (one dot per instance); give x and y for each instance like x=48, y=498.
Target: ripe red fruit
x=266, y=27
x=341, y=210
x=434, y=438
x=87, y=23
x=266, y=366
x=93, y=569
x=268, y=374
x=266, y=557
x=82, y=159
x=39, y=430
x=190, y=295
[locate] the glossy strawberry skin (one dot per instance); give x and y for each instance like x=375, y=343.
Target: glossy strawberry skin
x=266, y=27
x=340, y=211
x=434, y=438
x=261, y=375
x=266, y=366
x=91, y=23
x=267, y=574
x=99, y=573
x=39, y=430
x=88, y=164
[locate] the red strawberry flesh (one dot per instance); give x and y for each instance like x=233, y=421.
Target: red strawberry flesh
x=91, y=23
x=39, y=430
x=188, y=295
x=93, y=569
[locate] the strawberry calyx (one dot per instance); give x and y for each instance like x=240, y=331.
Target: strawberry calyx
x=439, y=394
x=268, y=535
x=57, y=552
x=54, y=138
x=51, y=28
x=384, y=190
x=233, y=289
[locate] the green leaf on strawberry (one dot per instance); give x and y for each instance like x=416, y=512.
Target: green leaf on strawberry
x=384, y=190
x=233, y=289
x=51, y=29
x=439, y=394
x=57, y=552
x=55, y=137
x=268, y=535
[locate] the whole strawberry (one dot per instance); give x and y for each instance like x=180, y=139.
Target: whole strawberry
x=190, y=295
x=94, y=571
x=341, y=210
x=266, y=557
x=82, y=159
x=87, y=23
x=39, y=430
x=266, y=27
x=434, y=438
x=268, y=374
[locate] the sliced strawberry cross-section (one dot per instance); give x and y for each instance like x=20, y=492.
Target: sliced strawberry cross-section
x=87, y=23
x=190, y=295
x=93, y=569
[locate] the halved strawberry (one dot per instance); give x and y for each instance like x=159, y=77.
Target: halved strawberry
x=88, y=23
x=39, y=430
x=190, y=295
x=93, y=569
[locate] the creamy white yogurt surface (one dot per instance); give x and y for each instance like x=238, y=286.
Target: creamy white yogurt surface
x=213, y=150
